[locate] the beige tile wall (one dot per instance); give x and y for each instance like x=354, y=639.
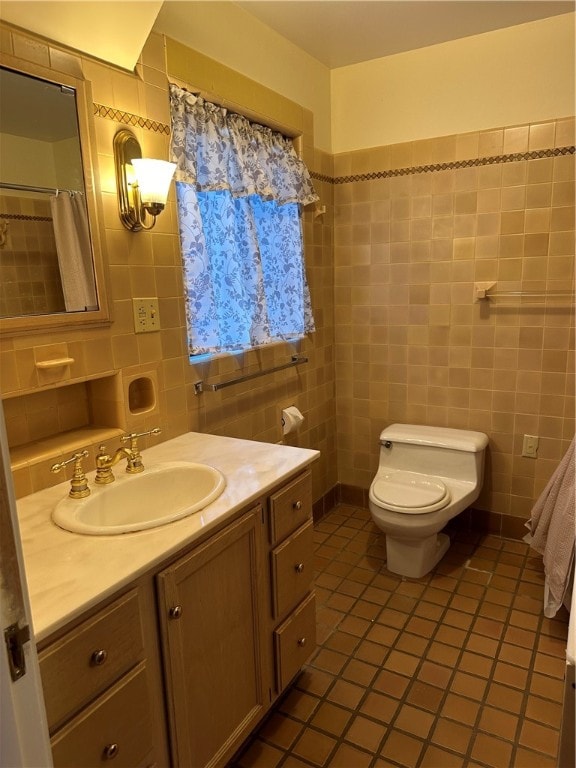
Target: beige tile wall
x=29, y=275
x=148, y=264
x=413, y=345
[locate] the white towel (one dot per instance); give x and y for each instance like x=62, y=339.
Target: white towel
x=552, y=531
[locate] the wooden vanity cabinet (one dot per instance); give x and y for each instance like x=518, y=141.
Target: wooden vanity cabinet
x=102, y=687
x=180, y=668
x=210, y=616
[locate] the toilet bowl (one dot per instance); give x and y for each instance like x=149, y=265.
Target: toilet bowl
x=426, y=476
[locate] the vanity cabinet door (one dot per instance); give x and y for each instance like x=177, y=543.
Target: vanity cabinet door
x=210, y=619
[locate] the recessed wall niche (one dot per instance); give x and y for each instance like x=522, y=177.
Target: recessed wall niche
x=140, y=397
x=44, y=425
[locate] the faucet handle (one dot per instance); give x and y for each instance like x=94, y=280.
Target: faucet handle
x=79, y=484
x=135, y=461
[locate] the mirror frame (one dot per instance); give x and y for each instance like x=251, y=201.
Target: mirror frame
x=22, y=324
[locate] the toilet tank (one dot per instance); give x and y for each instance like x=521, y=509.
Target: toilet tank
x=455, y=453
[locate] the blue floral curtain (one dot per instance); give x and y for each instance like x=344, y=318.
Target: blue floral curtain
x=239, y=189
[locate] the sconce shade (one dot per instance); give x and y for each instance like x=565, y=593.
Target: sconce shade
x=153, y=178
x=142, y=184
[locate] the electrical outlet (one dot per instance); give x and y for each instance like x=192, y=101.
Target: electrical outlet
x=146, y=316
x=530, y=446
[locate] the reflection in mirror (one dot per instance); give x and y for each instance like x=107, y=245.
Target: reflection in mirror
x=46, y=257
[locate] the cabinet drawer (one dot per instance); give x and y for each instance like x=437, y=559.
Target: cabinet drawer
x=294, y=641
x=292, y=569
x=290, y=507
x=86, y=661
x=116, y=726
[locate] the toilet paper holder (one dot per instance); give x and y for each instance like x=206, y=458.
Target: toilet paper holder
x=291, y=420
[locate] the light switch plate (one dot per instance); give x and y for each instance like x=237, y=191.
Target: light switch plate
x=146, y=315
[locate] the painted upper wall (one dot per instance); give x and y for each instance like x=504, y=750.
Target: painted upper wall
x=225, y=32
x=512, y=76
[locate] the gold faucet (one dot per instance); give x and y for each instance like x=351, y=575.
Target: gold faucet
x=105, y=462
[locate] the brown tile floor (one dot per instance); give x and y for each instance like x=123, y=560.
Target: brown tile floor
x=459, y=668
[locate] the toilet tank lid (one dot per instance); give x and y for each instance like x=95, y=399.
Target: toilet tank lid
x=441, y=437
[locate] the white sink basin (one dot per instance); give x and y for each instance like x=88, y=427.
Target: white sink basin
x=159, y=495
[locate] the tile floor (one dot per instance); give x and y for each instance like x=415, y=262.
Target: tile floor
x=459, y=668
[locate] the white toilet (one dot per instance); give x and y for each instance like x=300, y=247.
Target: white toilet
x=426, y=476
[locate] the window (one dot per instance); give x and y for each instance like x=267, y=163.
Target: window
x=239, y=189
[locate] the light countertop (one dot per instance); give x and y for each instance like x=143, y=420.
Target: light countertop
x=67, y=573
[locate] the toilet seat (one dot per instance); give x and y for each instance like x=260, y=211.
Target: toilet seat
x=409, y=492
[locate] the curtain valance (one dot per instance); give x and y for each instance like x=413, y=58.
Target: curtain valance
x=218, y=150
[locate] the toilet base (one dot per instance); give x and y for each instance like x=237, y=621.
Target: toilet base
x=415, y=557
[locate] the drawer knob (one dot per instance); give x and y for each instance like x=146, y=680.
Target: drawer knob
x=99, y=657
x=299, y=567
x=302, y=642
x=297, y=505
x=110, y=751
x=175, y=612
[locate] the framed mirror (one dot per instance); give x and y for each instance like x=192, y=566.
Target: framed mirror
x=51, y=267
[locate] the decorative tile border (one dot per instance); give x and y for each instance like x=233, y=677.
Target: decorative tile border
x=24, y=217
x=324, y=177
x=100, y=110
x=473, y=163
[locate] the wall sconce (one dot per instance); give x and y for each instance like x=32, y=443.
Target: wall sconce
x=142, y=184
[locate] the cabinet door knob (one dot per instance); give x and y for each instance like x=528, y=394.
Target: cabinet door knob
x=175, y=612
x=99, y=657
x=299, y=567
x=302, y=642
x=297, y=505
x=110, y=751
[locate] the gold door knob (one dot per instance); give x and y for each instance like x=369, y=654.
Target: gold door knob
x=299, y=567
x=99, y=657
x=175, y=612
x=297, y=505
x=302, y=642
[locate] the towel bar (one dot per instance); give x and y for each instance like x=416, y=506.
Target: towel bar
x=484, y=292
x=201, y=386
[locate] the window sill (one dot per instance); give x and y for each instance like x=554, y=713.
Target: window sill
x=208, y=357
